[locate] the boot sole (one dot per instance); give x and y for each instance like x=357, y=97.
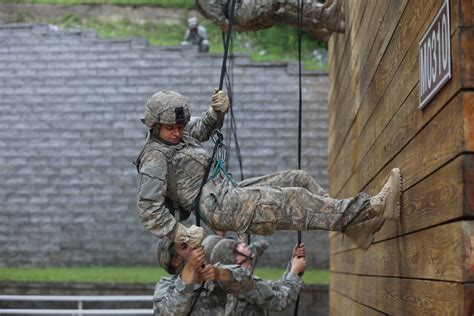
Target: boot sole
x=393, y=204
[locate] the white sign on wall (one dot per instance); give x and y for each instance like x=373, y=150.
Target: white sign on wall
x=435, y=56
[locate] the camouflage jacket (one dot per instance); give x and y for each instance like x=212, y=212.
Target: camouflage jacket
x=267, y=296
x=189, y=159
x=173, y=297
x=196, y=36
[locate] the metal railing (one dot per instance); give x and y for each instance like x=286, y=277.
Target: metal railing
x=80, y=299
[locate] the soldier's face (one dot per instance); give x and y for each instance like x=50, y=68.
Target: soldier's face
x=183, y=249
x=172, y=133
x=243, y=256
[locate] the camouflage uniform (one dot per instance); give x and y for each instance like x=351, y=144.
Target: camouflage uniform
x=267, y=296
x=258, y=247
x=249, y=15
x=197, y=36
x=286, y=200
x=189, y=159
x=253, y=15
x=173, y=297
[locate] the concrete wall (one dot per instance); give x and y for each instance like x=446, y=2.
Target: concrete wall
x=70, y=105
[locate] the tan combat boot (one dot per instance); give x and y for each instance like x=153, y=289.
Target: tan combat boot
x=386, y=203
x=362, y=234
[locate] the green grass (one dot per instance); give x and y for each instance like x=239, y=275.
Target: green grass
x=89, y=274
x=156, y=33
x=126, y=275
x=278, y=43
x=187, y=4
x=310, y=276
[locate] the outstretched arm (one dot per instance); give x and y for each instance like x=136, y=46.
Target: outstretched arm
x=278, y=295
x=233, y=278
x=201, y=128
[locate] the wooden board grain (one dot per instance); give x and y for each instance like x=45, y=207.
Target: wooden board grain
x=403, y=91
x=444, y=138
x=395, y=296
x=440, y=253
x=423, y=159
x=467, y=57
x=343, y=75
x=340, y=43
x=415, y=15
x=442, y=197
x=344, y=306
x=392, y=70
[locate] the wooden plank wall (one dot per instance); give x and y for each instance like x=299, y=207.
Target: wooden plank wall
x=424, y=264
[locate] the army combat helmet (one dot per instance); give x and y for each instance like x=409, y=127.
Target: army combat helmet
x=166, y=107
x=209, y=243
x=164, y=253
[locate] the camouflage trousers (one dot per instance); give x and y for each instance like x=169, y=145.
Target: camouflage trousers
x=287, y=200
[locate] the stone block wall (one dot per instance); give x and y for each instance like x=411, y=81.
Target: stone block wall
x=70, y=105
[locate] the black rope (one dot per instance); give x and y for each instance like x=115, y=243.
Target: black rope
x=226, y=52
x=231, y=130
x=300, y=112
x=300, y=108
x=217, y=136
x=232, y=125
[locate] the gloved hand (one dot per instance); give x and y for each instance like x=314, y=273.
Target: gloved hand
x=219, y=103
x=191, y=235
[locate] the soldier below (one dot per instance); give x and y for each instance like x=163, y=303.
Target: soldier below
x=286, y=200
x=268, y=295
x=196, y=35
x=195, y=288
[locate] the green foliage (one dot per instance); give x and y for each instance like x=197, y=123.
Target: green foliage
x=127, y=274
x=187, y=4
x=278, y=43
x=156, y=33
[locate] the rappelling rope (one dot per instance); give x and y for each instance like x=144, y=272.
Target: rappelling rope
x=300, y=112
x=217, y=136
x=232, y=126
